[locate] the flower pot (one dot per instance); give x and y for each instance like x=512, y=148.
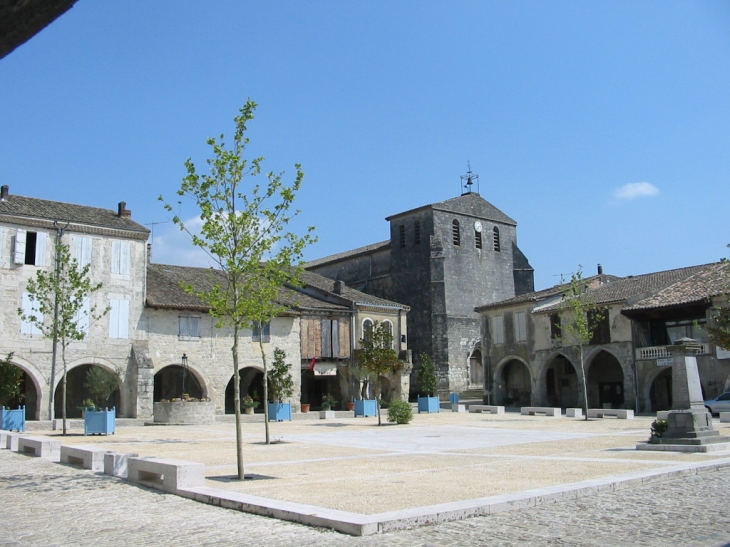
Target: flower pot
x=428, y=404
x=305, y=407
x=351, y=406
x=278, y=412
x=366, y=407
x=248, y=409
x=100, y=422
x=12, y=419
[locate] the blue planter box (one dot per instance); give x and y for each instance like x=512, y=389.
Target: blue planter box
x=278, y=412
x=454, y=398
x=12, y=420
x=428, y=404
x=366, y=407
x=100, y=422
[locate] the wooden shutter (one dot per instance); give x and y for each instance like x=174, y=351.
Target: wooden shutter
x=119, y=319
x=116, y=254
x=344, y=338
x=30, y=307
x=326, y=338
x=82, y=250
x=19, y=251
x=41, y=239
x=82, y=316
x=125, y=258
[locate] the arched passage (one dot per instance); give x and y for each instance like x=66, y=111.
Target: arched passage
x=77, y=393
x=605, y=382
x=514, y=384
x=561, y=383
x=172, y=381
x=660, y=393
x=476, y=371
x=251, y=383
x=28, y=394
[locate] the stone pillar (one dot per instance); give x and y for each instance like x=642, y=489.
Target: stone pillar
x=689, y=417
x=144, y=381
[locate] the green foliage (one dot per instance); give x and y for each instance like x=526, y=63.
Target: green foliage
x=427, y=382
x=580, y=317
x=243, y=231
x=376, y=355
x=328, y=401
x=11, y=381
x=101, y=383
x=400, y=412
x=281, y=384
x=248, y=402
x=719, y=330
x=659, y=428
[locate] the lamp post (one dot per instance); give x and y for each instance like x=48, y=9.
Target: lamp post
x=184, y=361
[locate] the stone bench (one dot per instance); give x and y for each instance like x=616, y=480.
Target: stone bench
x=116, y=464
x=620, y=413
x=9, y=440
x=456, y=407
x=88, y=457
x=552, y=412
x=167, y=475
x=574, y=412
x=487, y=408
x=40, y=447
x=724, y=417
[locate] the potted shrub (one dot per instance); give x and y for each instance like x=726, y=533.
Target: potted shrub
x=427, y=385
x=328, y=402
x=100, y=383
x=281, y=386
x=249, y=404
x=363, y=406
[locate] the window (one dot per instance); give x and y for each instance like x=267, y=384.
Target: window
x=121, y=257
x=82, y=250
x=478, y=239
x=367, y=329
x=30, y=248
x=262, y=332
x=599, y=325
x=402, y=235
x=388, y=326
x=498, y=329
x=555, y=332
x=519, y=320
x=119, y=318
x=189, y=327
x=83, y=315
x=30, y=308
x=455, y=233
x=417, y=232
x=495, y=232
x=330, y=338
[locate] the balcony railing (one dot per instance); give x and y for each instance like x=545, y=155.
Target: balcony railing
x=660, y=352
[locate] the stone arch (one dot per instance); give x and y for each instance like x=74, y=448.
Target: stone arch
x=513, y=382
x=33, y=396
x=168, y=382
x=605, y=380
x=559, y=381
x=98, y=361
x=76, y=391
x=251, y=383
x=474, y=366
x=658, y=390
x=386, y=389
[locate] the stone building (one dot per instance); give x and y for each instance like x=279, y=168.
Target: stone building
x=528, y=362
x=161, y=339
x=440, y=260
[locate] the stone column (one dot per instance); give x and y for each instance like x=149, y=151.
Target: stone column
x=144, y=381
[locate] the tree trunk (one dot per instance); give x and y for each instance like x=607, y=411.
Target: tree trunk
x=65, y=377
x=584, y=384
x=266, y=384
x=237, y=404
x=376, y=392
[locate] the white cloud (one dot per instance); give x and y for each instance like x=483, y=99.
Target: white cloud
x=172, y=246
x=636, y=190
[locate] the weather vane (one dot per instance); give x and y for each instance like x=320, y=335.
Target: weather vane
x=469, y=178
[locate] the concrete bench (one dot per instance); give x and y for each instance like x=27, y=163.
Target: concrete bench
x=553, y=412
x=487, y=408
x=456, y=407
x=724, y=417
x=167, y=475
x=116, y=464
x=620, y=413
x=9, y=440
x=574, y=412
x=88, y=457
x=40, y=447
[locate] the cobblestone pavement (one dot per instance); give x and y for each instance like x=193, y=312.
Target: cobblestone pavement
x=48, y=504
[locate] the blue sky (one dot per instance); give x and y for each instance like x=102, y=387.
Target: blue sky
x=602, y=128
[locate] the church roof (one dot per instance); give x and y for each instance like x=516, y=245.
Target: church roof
x=471, y=204
x=367, y=249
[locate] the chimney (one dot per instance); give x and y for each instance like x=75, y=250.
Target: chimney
x=123, y=211
x=600, y=270
x=339, y=286
x=4, y=192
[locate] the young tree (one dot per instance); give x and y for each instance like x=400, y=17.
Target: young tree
x=280, y=381
x=427, y=381
x=580, y=318
x=61, y=298
x=719, y=332
x=101, y=383
x=377, y=356
x=243, y=231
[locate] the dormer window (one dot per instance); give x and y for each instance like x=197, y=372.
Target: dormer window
x=455, y=233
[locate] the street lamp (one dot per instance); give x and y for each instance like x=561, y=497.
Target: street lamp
x=184, y=372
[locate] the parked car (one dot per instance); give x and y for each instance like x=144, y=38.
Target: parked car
x=721, y=403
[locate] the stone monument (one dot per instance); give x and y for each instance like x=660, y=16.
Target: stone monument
x=690, y=425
